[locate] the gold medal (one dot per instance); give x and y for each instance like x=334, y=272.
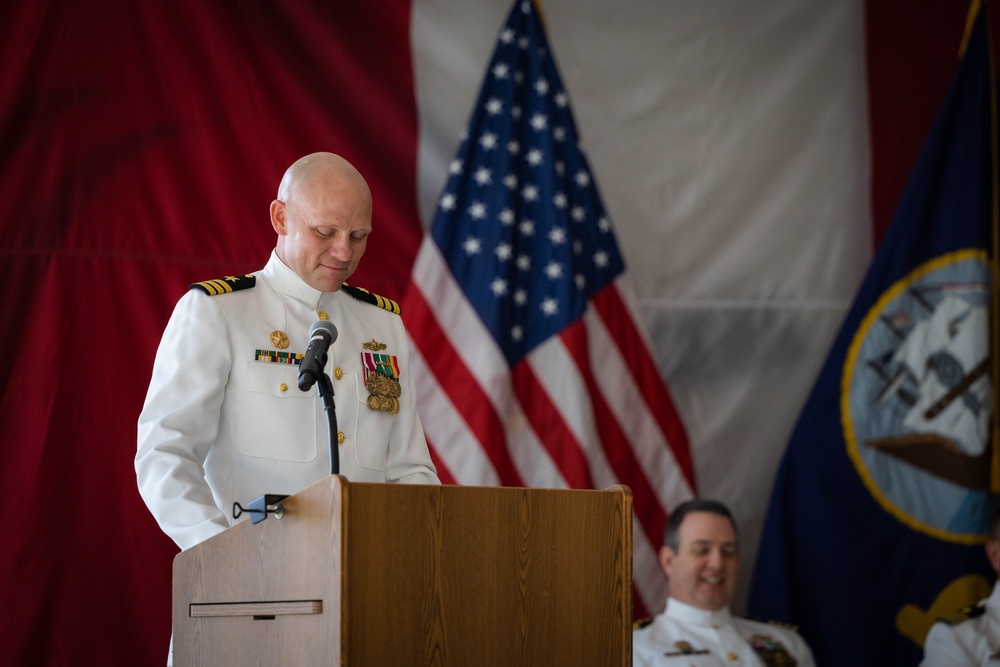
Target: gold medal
x=279, y=339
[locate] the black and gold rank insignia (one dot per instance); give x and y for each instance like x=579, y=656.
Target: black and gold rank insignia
x=225, y=285
x=361, y=294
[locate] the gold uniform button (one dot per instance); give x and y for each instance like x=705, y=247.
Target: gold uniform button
x=340, y=438
x=338, y=373
x=283, y=387
x=732, y=657
x=323, y=315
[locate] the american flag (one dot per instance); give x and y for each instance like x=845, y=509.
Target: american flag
x=530, y=365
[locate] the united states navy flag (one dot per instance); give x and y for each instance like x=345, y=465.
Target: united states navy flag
x=876, y=521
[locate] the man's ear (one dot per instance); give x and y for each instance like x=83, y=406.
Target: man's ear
x=993, y=554
x=666, y=557
x=278, y=220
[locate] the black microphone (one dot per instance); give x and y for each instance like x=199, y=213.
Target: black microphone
x=321, y=337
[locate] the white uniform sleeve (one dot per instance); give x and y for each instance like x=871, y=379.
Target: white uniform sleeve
x=803, y=654
x=942, y=648
x=180, y=421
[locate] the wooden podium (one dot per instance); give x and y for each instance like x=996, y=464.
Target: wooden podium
x=394, y=574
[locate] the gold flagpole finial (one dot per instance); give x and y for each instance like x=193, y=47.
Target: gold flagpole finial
x=970, y=20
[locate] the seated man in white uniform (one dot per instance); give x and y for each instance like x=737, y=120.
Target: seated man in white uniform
x=701, y=559
x=970, y=636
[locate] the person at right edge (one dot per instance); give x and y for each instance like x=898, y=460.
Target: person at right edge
x=970, y=636
x=701, y=558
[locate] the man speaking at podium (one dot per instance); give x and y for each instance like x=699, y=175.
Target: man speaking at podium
x=224, y=419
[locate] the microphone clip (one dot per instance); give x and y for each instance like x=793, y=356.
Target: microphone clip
x=259, y=508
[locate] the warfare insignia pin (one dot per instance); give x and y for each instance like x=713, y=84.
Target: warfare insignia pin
x=374, y=345
x=279, y=339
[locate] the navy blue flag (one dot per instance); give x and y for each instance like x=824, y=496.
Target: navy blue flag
x=876, y=521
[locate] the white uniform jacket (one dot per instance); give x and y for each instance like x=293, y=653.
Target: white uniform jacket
x=224, y=419
x=685, y=636
x=973, y=641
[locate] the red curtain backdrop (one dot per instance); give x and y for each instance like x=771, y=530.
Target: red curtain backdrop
x=141, y=143
x=911, y=59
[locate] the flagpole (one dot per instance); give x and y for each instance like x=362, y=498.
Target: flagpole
x=541, y=14
x=970, y=20
x=994, y=266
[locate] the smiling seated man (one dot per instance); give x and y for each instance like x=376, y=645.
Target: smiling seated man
x=701, y=558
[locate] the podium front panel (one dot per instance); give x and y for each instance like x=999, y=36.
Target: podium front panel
x=384, y=574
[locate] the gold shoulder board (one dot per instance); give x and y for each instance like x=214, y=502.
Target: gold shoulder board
x=225, y=285
x=361, y=294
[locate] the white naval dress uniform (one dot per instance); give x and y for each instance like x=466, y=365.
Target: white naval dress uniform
x=219, y=425
x=685, y=636
x=973, y=641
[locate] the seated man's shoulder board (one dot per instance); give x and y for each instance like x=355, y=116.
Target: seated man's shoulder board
x=361, y=294
x=963, y=614
x=640, y=623
x=778, y=624
x=225, y=285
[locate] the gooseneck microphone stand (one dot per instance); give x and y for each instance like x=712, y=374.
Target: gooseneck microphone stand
x=325, y=388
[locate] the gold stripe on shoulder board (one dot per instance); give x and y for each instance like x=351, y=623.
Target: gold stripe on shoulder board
x=225, y=285
x=361, y=294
